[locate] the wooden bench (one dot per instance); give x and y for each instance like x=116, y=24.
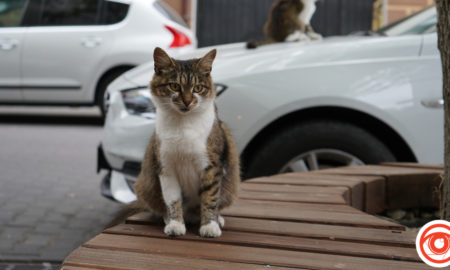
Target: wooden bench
x=316, y=220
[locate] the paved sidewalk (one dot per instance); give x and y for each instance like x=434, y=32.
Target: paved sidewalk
x=50, y=199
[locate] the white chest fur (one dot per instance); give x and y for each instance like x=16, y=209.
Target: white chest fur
x=183, y=141
x=309, y=7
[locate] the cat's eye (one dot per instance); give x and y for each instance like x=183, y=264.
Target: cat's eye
x=198, y=88
x=174, y=86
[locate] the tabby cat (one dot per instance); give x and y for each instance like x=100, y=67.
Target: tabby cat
x=191, y=166
x=289, y=20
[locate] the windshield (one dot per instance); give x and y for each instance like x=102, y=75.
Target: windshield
x=419, y=23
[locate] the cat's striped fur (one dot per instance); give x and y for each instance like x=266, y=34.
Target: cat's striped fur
x=191, y=166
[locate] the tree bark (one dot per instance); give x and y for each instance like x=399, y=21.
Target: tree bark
x=443, y=27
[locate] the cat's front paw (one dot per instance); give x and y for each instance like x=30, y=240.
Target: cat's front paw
x=314, y=36
x=221, y=221
x=175, y=228
x=211, y=229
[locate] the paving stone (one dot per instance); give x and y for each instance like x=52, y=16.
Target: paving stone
x=36, y=239
x=82, y=223
x=15, y=233
x=19, y=257
x=48, y=228
x=36, y=211
x=35, y=266
x=51, y=254
x=24, y=220
x=6, y=216
x=18, y=207
x=6, y=245
x=26, y=249
x=58, y=184
x=68, y=209
x=56, y=218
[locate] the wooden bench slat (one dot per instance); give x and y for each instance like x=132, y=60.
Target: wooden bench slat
x=68, y=267
x=295, y=197
x=378, y=170
x=296, y=207
x=280, y=242
x=344, y=233
x=421, y=182
x=94, y=258
x=355, y=185
x=241, y=254
x=287, y=188
x=320, y=213
x=414, y=165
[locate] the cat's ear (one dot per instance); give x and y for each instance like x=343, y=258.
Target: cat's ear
x=204, y=65
x=162, y=60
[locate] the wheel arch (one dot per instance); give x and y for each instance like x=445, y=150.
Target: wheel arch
x=373, y=125
x=105, y=76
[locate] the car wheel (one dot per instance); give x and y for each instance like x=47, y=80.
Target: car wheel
x=316, y=145
x=103, y=84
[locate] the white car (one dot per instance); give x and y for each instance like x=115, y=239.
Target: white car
x=303, y=105
x=65, y=52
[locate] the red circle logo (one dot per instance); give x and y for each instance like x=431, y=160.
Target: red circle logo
x=433, y=243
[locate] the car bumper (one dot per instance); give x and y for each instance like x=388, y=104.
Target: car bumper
x=117, y=185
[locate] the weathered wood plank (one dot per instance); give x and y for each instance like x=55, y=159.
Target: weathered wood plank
x=242, y=254
x=287, y=188
x=317, y=231
x=421, y=183
x=79, y=268
x=414, y=165
x=295, y=207
x=354, y=184
x=316, y=213
x=295, y=197
x=335, y=247
x=368, y=192
x=107, y=259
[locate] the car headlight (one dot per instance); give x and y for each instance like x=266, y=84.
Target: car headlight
x=138, y=101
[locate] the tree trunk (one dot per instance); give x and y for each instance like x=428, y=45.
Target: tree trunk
x=443, y=8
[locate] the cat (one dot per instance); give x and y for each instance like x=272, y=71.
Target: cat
x=191, y=167
x=289, y=20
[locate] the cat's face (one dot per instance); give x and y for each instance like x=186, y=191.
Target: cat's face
x=182, y=86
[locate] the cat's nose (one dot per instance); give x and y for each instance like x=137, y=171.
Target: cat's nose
x=187, y=101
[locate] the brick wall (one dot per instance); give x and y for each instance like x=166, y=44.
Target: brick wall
x=398, y=9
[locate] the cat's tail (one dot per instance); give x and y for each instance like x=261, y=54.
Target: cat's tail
x=253, y=44
x=126, y=212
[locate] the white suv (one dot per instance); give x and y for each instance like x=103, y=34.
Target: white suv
x=65, y=52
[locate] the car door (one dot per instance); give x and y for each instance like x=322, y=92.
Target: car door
x=431, y=60
x=429, y=95
x=63, y=51
x=11, y=44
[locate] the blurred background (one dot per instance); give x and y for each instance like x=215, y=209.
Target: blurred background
x=244, y=19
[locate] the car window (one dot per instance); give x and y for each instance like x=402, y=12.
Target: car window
x=418, y=23
x=70, y=12
x=423, y=26
x=11, y=12
x=113, y=12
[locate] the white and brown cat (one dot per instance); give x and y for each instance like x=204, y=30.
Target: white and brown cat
x=289, y=20
x=191, y=166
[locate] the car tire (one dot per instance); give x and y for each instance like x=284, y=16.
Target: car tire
x=103, y=84
x=334, y=140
